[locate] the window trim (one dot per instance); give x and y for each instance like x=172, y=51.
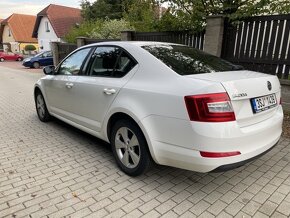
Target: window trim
x=47, y=29
x=91, y=59
x=84, y=64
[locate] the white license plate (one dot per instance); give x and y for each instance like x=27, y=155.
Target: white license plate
x=263, y=103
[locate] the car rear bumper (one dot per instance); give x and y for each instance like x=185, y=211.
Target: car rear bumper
x=192, y=160
x=177, y=143
x=241, y=163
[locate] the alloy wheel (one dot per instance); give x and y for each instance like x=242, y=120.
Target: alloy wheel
x=127, y=147
x=40, y=105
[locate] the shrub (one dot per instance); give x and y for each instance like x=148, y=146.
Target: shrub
x=99, y=29
x=29, y=48
x=110, y=29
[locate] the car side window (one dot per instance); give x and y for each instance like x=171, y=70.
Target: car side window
x=49, y=54
x=73, y=64
x=111, y=62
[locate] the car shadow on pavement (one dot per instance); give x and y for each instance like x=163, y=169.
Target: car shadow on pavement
x=95, y=145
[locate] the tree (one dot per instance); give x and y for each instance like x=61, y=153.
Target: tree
x=191, y=14
x=29, y=48
x=143, y=15
x=84, y=30
x=102, y=9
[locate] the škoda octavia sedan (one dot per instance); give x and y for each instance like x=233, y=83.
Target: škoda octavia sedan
x=166, y=103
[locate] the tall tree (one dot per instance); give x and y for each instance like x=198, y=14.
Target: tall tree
x=191, y=14
x=142, y=14
x=102, y=9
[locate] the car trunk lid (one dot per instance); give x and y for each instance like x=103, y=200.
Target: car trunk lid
x=244, y=86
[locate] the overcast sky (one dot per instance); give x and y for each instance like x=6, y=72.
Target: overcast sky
x=8, y=7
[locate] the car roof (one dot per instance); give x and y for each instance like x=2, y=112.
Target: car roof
x=127, y=43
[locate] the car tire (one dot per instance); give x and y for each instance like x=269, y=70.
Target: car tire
x=19, y=59
x=41, y=108
x=2, y=59
x=36, y=65
x=130, y=148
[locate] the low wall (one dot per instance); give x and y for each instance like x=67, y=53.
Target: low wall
x=285, y=94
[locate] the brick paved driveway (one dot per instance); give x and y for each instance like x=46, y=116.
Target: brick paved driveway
x=54, y=170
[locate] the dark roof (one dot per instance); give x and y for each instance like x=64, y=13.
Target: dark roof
x=62, y=19
x=21, y=26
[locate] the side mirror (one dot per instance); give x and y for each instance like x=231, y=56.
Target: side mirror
x=49, y=70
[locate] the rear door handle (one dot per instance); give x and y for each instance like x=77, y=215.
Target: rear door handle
x=109, y=91
x=69, y=85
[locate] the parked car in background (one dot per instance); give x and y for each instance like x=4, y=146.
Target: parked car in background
x=42, y=59
x=163, y=102
x=9, y=56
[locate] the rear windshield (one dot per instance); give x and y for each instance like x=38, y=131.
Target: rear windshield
x=186, y=60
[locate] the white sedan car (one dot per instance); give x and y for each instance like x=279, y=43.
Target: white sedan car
x=166, y=103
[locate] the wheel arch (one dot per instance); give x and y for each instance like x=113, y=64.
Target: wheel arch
x=37, y=87
x=123, y=115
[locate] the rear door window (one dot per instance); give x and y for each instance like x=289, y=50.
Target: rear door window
x=110, y=62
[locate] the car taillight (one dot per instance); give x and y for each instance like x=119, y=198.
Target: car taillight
x=210, y=108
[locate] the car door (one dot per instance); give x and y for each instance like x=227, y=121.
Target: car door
x=109, y=70
x=10, y=56
x=59, y=88
x=46, y=59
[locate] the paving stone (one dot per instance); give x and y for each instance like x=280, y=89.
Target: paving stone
x=224, y=215
x=251, y=208
x=260, y=215
x=166, y=206
x=182, y=207
x=261, y=197
x=284, y=208
x=234, y=207
x=200, y=207
x=217, y=207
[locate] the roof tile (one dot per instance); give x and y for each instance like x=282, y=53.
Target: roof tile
x=62, y=18
x=21, y=26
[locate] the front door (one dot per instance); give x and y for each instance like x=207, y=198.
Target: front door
x=59, y=88
x=107, y=73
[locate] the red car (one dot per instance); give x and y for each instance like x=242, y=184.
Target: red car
x=9, y=56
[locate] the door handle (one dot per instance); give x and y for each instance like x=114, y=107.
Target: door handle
x=69, y=85
x=109, y=91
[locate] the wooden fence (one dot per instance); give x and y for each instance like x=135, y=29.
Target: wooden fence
x=260, y=44
x=186, y=38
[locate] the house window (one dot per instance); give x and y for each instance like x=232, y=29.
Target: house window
x=47, y=26
x=9, y=32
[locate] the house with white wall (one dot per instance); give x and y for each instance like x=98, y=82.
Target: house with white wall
x=53, y=23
